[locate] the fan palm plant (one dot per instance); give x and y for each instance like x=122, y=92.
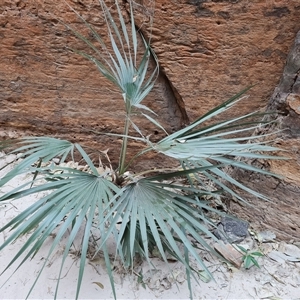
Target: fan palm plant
x=137, y=211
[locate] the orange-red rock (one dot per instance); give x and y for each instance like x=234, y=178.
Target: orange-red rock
x=208, y=51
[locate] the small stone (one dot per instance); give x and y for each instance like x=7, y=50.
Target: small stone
x=56, y=160
x=166, y=283
x=293, y=100
x=266, y=236
x=267, y=248
x=229, y=253
x=232, y=230
x=282, y=257
x=292, y=250
x=281, y=246
x=277, y=256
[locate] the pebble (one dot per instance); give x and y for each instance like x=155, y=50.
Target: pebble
x=231, y=230
x=292, y=250
x=266, y=236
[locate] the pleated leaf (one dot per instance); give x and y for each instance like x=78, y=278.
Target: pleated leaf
x=149, y=214
x=121, y=66
x=74, y=200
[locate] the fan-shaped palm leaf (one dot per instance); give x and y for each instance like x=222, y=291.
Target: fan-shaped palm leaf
x=121, y=66
x=155, y=213
x=75, y=199
x=217, y=144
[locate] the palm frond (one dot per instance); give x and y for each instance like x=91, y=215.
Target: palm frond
x=75, y=196
x=149, y=214
x=121, y=66
x=209, y=115
x=43, y=149
x=217, y=144
x=221, y=179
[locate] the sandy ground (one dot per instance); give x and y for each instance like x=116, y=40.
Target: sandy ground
x=278, y=278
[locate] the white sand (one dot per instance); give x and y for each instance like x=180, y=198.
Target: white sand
x=271, y=281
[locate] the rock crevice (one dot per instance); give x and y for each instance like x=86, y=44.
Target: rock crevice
x=282, y=214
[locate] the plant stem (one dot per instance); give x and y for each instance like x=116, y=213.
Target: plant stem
x=122, y=167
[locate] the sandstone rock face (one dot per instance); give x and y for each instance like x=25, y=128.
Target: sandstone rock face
x=46, y=89
x=282, y=214
x=213, y=49
x=208, y=50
